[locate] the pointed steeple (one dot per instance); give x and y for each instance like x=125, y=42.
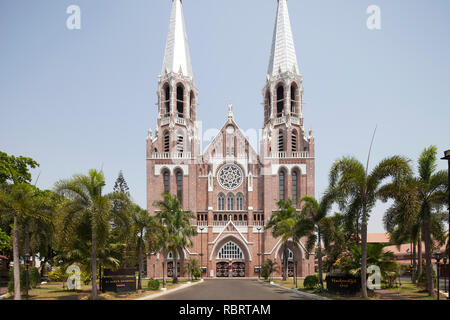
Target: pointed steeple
x=283, y=57
x=177, y=58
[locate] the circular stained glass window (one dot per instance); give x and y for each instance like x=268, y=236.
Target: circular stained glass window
x=230, y=176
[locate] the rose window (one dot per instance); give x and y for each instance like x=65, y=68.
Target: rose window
x=230, y=177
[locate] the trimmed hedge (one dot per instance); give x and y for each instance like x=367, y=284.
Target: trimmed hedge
x=153, y=284
x=311, y=282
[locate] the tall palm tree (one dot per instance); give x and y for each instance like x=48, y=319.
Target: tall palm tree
x=88, y=204
x=178, y=224
x=284, y=224
x=22, y=201
x=417, y=205
x=316, y=212
x=143, y=223
x=353, y=182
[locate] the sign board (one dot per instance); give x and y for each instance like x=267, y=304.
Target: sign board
x=120, y=281
x=343, y=284
x=204, y=270
x=257, y=269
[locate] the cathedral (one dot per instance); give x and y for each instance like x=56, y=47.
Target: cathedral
x=230, y=187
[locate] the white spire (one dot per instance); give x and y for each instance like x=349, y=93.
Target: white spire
x=177, y=55
x=283, y=55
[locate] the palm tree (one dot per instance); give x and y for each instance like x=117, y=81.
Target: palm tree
x=417, y=205
x=143, y=223
x=271, y=267
x=179, y=228
x=316, y=213
x=284, y=224
x=87, y=204
x=191, y=267
x=22, y=202
x=350, y=180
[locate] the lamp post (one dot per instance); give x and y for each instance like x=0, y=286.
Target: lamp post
x=259, y=252
x=201, y=250
x=295, y=272
x=27, y=276
x=447, y=157
x=437, y=256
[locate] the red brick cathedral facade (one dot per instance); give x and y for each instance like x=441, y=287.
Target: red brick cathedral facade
x=230, y=187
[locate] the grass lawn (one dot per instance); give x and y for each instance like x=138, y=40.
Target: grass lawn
x=55, y=291
x=411, y=291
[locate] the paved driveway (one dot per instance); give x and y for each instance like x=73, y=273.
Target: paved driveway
x=215, y=289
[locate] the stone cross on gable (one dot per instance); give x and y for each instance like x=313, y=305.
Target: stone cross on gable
x=230, y=111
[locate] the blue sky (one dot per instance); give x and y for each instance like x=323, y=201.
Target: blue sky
x=81, y=99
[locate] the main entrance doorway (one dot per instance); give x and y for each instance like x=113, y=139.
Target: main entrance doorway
x=227, y=269
x=231, y=252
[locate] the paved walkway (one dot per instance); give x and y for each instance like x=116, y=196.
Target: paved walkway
x=243, y=289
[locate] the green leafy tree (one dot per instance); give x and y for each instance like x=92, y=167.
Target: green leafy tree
x=89, y=211
x=5, y=241
x=315, y=212
x=285, y=225
x=16, y=197
x=143, y=224
x=268, y=268
x=178, y=226
x=417, y=210
x=360, y=189
x=192, y=268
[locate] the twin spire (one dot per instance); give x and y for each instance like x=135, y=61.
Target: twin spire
x=282, y=59
x=177, y=57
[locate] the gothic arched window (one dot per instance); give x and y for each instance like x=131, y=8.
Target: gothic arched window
x=230, y=251
x=180, y=101
x=166, y=142
x=267, y=107
x=239, y=202
x=230, y=202
x=294, y=187
x=282, y=185
x=179, y=178
x=280, y=101
x=294, y=140
x=221, y=202
x=166, y=176
x=294, y=102
x=281, y=146
x=166, y=100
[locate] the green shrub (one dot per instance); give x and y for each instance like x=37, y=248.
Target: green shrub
x=197, y=274
x=422, y=280
x=22, y=279
x=153, y=284
x=265, y=272
x=35, y=277
x=311, y=282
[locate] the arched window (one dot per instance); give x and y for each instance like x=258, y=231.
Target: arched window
x=180, y=143
x=170, y=256
x=221, y=203
x=215, y=217
x=290, y=255
x=294, y=99
x=230, y=251
x=239, y=202
x=166, y=142
x=166, y=176
x=230, y=202
x=191, y=104
x=166, y=100
x=282, y=185
x=267, y=106
x=220, y=217
x=179, y=177
x=294, y=141
x=280, y=101
x=294, y=187
x=281, y=141
x=180, y=101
